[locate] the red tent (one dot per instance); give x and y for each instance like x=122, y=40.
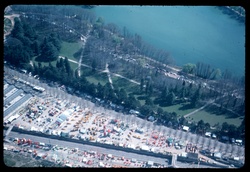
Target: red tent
x=89, y=162
x=155, y=136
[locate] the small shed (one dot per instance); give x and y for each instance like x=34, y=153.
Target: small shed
x=217, y=155
x=185, y=128
x=151, y=118
x=150, y=163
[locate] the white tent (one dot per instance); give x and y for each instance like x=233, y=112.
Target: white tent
x=185, y=128
x=150, y=163
x=217, y=155
x=143, y=147
x=101, y=164
x=84, y=160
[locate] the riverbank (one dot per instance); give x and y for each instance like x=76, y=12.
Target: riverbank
x=185, y=32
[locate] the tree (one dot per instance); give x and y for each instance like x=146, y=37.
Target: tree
x=55, y=40
x=141, y=84
x=224, y=127
x=67, y=65
x=36, y=48
x=49, y=52
x=216, y=74
x=29, y=31
x=189, y=68
x=171, y=98
x=164, y=93
x=93, y=65
x=122, y=95
x=150, y=90
x=15, y=52
x=132, y=103
x=182, y=121
x=149, y=101
x=146, y=110
x=200, y=126
x=196, y=97
x=17, y=31
x=100, y=92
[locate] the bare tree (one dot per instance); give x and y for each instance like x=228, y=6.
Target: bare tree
x=148, y=126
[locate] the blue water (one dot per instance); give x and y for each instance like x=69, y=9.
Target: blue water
x=190, y=34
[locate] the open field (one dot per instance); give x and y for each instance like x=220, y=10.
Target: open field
x=125, y=84
x=12, y=159
x=216, y=117
x=181, y=109
x=102, y=78
x=69, y=49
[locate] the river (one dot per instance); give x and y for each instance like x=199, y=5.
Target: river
x=190, y=34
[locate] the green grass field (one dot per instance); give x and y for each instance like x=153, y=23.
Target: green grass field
x=213, y=119
x=179, y=109
x=68, y=49
x=124, y=83
x=102, y=78
x=211, y=114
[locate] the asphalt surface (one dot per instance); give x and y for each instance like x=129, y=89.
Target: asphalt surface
x=82, y=147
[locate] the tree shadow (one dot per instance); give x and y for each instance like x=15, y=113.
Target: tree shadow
x=220, y=111
x=142, y=97
x=77, y=54
x=42, y=59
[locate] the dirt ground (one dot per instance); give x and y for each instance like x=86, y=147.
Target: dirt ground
x=12, y=159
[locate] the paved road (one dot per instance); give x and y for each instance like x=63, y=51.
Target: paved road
x=67, y=144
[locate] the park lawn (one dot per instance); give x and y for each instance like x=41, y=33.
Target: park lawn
x=68, y=49
x=102, y=78
x=213, y=119
x=178, y=109
x=124, y=83
x=142, y=101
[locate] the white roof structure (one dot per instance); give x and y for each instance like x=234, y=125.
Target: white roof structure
x=82, y=130
x=34, y=129
x=101, y=164
x=184, y=154
x=208, y=134
x=151, y=163
x=131, y=146
x=65, y=115
x=185, y=128
x=117, y=129
x=144, y=147
x=13, y=117
x=84, y=159
x=217, y=154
